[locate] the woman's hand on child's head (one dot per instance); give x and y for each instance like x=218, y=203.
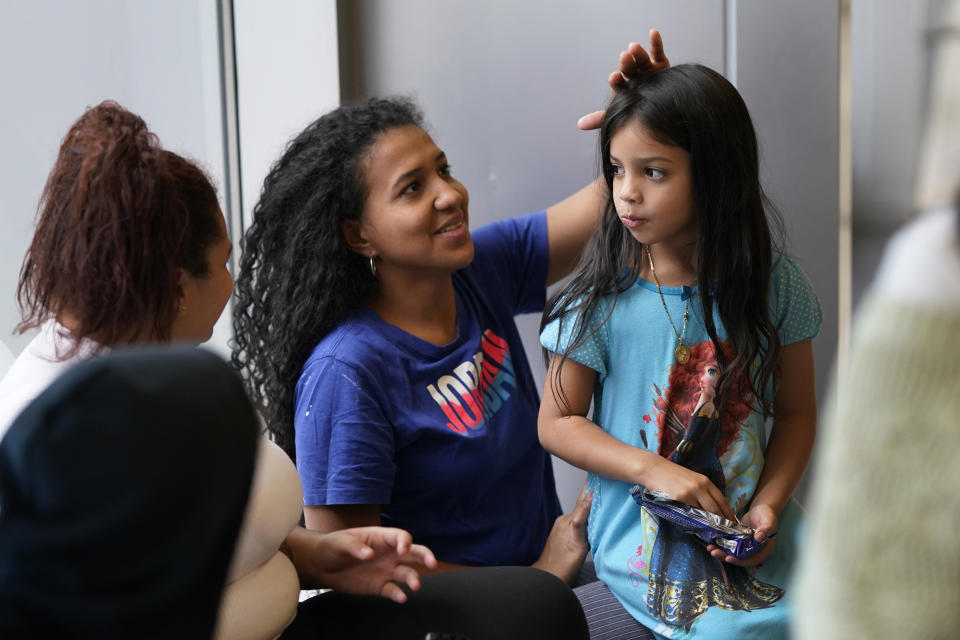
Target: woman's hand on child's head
x=680, y=483
x=371, y=561
x=763, y=520
x=634, y=62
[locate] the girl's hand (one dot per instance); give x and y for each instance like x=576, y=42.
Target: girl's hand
x=567, y=544
x=634, y=62
x=680, y=483
x=763, y=520
x=370, y=561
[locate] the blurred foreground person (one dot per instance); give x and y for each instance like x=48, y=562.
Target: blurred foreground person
x=882, y=559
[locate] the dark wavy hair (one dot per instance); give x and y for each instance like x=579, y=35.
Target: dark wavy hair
x=117, y=216
x=298, y=278
x=698, y=110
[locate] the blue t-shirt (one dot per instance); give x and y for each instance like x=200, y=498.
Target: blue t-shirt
x=444, y=438
x=645, y=398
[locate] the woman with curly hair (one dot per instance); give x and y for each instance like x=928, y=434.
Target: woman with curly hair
x=378, y=334
x=384, y=351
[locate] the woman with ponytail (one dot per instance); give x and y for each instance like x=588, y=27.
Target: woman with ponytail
x=130, y=247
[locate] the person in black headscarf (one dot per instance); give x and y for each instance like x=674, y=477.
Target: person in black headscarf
x=123, y=487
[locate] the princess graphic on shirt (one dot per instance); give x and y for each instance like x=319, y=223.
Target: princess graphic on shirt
x=684, y=579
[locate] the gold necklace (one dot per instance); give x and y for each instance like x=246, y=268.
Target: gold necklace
x=682, y=352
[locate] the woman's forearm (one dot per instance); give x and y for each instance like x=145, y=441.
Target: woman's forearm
x=570, y=223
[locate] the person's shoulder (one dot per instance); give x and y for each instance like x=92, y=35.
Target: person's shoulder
x=511, y=225
x=510, y=262
x=921, y=263
x=352, y=342
x=508, y=232
x=788, y=277
x=794, y=305
x=39, y=364
x=783, y=265
x=44, y=358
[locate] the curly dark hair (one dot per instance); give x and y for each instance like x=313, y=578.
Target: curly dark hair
x=117, y=216
x=698, y=110
x=298, y=278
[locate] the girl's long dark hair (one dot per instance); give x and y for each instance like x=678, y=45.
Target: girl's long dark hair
x=698, y=110
x=298, y=279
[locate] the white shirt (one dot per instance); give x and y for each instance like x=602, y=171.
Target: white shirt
x=38, y=365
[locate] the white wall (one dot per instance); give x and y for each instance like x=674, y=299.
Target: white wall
x=787, y=71
x=287, y=76
x=889, y=54
x=158, y=59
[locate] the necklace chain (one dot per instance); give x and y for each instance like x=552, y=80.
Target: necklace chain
x=682, y=353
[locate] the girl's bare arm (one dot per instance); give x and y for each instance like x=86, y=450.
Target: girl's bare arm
x=794, y=427
x=566, y=432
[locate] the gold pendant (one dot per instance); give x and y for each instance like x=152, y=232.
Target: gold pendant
x=682, y=353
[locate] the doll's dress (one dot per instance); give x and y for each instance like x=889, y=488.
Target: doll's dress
x=684, y=579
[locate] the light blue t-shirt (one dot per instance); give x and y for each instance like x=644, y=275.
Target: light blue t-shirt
x=645, y=398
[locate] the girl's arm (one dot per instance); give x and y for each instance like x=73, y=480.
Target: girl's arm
x=566, y=432
x=794, y=428
x=562, y=554
x=788, y=452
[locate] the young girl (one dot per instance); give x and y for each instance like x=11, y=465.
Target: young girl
x=687, y=331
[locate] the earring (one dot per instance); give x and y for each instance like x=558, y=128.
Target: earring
x=183, y=308
x=373, y=267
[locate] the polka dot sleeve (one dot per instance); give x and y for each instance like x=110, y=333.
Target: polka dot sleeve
x=593, y=348
x=795, y=308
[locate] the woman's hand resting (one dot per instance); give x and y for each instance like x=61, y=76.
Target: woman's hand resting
x=567, y=545
x=362, y=560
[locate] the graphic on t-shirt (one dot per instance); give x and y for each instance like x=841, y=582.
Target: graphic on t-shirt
x=636, y=566
x=684, y=580
x=477, y=388
x=675, y=405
